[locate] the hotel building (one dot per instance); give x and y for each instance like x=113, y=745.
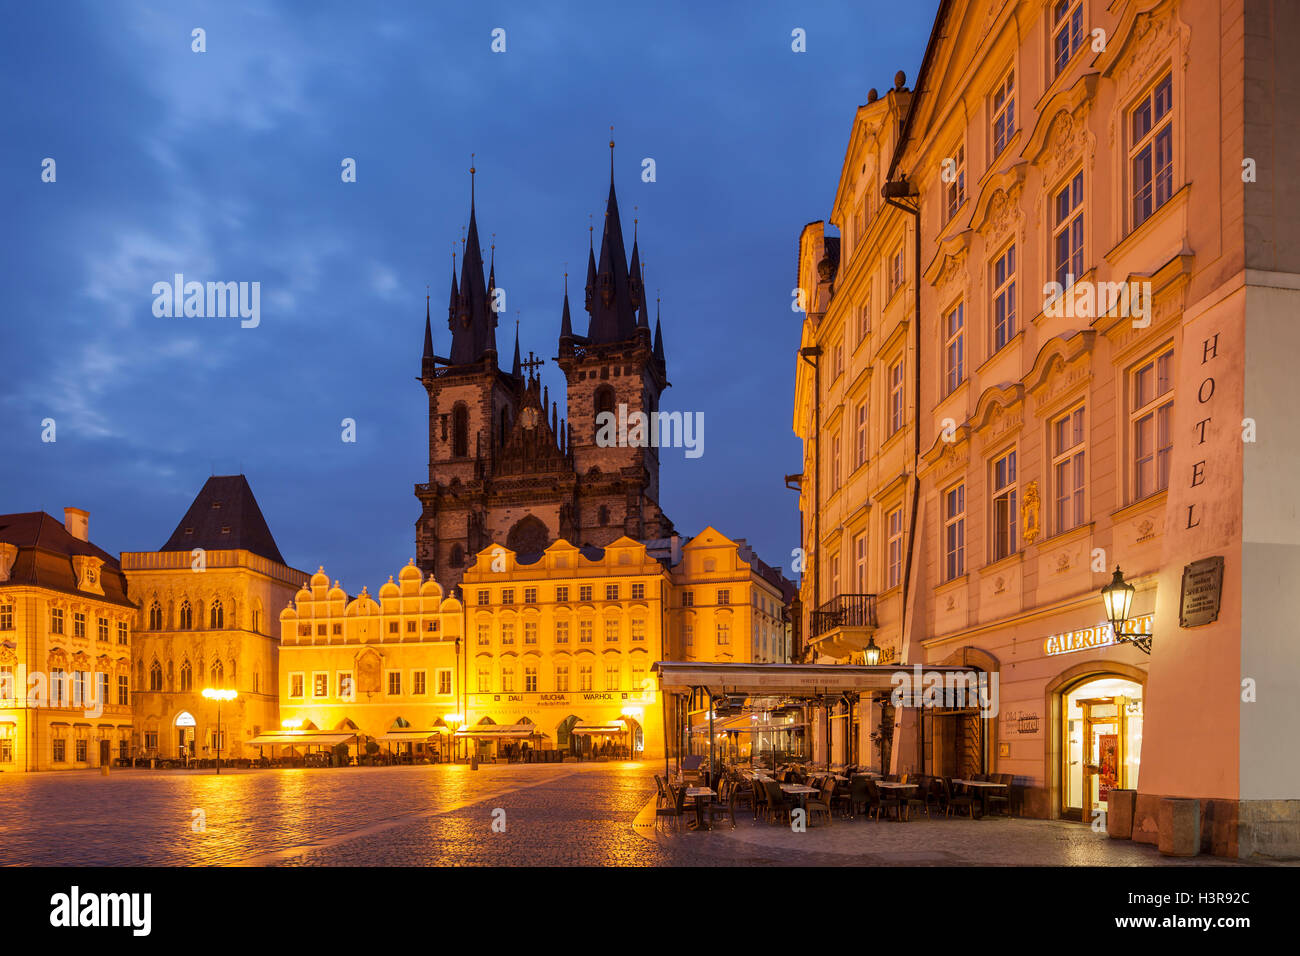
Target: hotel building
x=65, y=646
x=1035, y=436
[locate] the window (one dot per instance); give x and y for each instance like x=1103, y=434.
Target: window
x=418, y=683
x=530, y=632
x=295, y=683
x=484, y=680
x=78, y=624
x=1067, y=232
x=611, y=676
x=60, y=750
x=430, y=627
x=833, y=571
x=894, y=548
x=484, y=633
x=1067, y=470
x=123, y=690
x=257, y=621
x=186, y=622
x=1004, y=297
x=864, y=320
x=151, y=740
x=562, y=678
x=56, y=620
x=584, y=677
x=81, y=749
x=1152, y=418
x=611, y=630
x=216, y=616
x=484, y=596
x=155, y=676
x=1004, y=506
x=58, y=686
x=688, y=634
x=507, y=595
x=860, y=563
x=1067, y=32
x=724, y=596
x=895, y=277
x=638, y=675
x=6, y=617
x=444, y=683
x=602, y=403
x=507, y=632
x=530, y=678
x=530, y=595
x=411, y=627
x=155, y=616
x=6, y=750
x=638, y=592
x=1151, y=157
x=1004, y=113
x=954, y=348
x=895, y=396
x=860, y=436
x=837, y=361
x=561, y=632
x=394, y=683
x=187, y=678
x=562, y=594
x=954, y=532
x=833, y=465
x=122, y=632
x=688, y=599
x=638, y=629
x=584, y=592
x=217, y=673
x=584, y=632
x=611, y=592
x=346, y=685
x=954, y=183
x=101, y=629
x=460, y=432
x=320, y=685
x=724, y=633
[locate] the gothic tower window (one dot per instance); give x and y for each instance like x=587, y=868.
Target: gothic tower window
x=460, y=431
x=187, y=676
x=528, y=536
x=216, y=615
x=155, y=616
x=186, y=616
x=217, y=672
x=155, y=676
x=603, y=402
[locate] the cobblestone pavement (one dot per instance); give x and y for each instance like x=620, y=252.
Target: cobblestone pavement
x=579, y=815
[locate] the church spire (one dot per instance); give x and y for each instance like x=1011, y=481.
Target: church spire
x=514, y=369
x=659, y=339
x=613, y=315
x=566, y=323
x=472, y=326
x=428, y=330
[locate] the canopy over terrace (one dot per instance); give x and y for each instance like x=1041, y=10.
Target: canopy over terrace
x=301, y=738
x=708, y=682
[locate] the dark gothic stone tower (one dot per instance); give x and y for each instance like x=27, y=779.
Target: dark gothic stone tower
x=503, y=467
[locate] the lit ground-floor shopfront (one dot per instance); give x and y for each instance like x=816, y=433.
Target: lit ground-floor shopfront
x=1067, y=716
x=36, y=738
x=587, y=724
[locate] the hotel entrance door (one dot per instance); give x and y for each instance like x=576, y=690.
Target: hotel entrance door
x=1103, y=728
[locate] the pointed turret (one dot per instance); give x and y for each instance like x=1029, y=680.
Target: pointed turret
x=472, y=326
x=428, y=333
x=591, y=274
x=566, y=322
x=613, y=314
x=455, y=297
x=515, y=368
x=634, y=283
x=659, y=340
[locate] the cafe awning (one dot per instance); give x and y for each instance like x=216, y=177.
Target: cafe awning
x=501, y=731
x=585, y=730
x=790, y=680
x=412, y=736
x=299, y=739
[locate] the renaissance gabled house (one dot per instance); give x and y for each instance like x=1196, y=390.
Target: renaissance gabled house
x=503, y=465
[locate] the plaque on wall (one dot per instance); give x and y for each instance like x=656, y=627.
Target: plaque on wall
x=1202, y=584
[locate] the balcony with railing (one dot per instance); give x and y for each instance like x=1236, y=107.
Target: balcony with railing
x=843, y=624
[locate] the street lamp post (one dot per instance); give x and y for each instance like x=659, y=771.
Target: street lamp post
x=1118, y=598
x=453, y=721
x=219, y=694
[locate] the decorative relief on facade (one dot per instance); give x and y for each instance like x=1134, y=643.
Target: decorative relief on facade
x=1146, y=530
x=1029, y=509
x=999, y=584
x=1063, y=562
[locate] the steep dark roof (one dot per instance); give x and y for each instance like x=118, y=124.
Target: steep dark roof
x=45, y=552
x=225, y=502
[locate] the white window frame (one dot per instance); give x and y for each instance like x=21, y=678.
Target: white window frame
x=1069, y=225
x=1002, y=104
x=443, y=675
x=316, y=677
x=301, y=678
x=954, y=193
x=1069, y=469
x=1161, y=124
x=860, y=545
x=346, y=684
x=894, y=548
x=1070, y=22
x=861, y=434
x=1158, y=406
x=954, y=531
x=1002, y=279
x=954, y=347
x=1005, y=499
x=897, y=400
x=388, y=683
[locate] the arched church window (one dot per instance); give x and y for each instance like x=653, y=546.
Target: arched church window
x=155, y=616
x=460, y=431
x=216, y=615
x=155, y=676
x=217, y=672
x=186, y=616
x=187, y=676
x=602, y=402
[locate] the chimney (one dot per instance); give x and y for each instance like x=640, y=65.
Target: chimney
x=676, y=558
x=77, y=522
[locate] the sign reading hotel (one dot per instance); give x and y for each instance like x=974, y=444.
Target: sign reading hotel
x=1090, y=638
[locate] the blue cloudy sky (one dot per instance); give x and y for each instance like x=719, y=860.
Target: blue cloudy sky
x=225, y=165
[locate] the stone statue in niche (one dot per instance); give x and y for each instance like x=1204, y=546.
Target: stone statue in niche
x=1029, y=513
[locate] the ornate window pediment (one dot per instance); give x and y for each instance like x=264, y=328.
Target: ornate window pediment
x=1141, y=41
x=87, y=568
x=999, y=410
x=997, y=208
x=1061, y=135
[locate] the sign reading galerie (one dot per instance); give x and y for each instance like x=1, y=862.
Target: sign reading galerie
x=1090, y=638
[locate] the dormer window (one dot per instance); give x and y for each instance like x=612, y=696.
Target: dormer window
x=87, y=568
x=216, y=506
x=189, y=531
x=225, y=529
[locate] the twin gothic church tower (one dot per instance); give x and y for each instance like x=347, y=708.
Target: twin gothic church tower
x=504, y=467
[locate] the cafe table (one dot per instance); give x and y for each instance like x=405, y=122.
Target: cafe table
x=699, y=797
x=981, y=785
x=895, y=785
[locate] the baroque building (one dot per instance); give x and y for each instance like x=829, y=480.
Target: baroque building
x=208, y=602
x=503, y=465
x=1063, y=266
x=65, y=646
